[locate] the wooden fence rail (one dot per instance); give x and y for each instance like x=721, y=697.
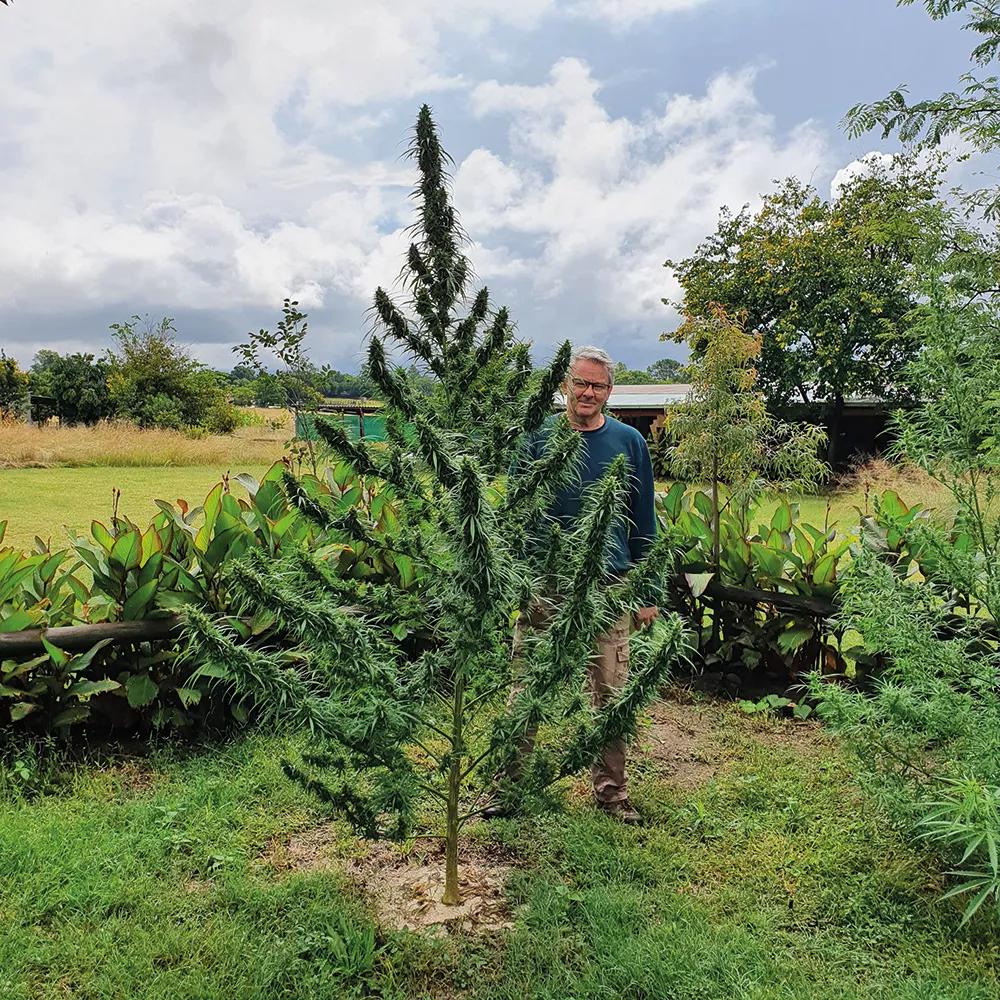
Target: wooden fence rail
x=77, y=638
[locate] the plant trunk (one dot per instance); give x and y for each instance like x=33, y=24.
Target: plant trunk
x=452, y=896
x=716, y=549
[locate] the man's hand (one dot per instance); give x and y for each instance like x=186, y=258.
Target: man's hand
x=645, y=617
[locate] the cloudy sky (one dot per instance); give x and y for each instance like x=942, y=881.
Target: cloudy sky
x=204, y=159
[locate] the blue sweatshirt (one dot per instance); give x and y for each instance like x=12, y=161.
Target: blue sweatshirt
x=629, y=540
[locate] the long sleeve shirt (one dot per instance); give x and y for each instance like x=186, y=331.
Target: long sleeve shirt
x=631, y=537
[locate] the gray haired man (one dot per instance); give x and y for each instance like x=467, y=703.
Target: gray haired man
x=587, y=387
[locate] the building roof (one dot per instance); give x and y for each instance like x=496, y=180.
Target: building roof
x=646, y=397
x=640, y=397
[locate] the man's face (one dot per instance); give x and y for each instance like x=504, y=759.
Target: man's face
x=584, y=402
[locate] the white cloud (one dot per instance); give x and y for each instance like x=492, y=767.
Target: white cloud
x=624, y=13
x=605, y=200
x=214, y=157
x=858, y=168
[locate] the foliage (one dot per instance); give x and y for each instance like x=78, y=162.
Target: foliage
x=77, y=382
x=123, y=572
x=826, y=284
x=13, y=387
x=415, y=725
x=723, y=434
x=343, y=385
x=926, y=595
x=666, y=370
x=783, y=554
x=292, y=384
x=154, y=382
x=973, y=113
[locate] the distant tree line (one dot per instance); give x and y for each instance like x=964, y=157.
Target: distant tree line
x=150, y=379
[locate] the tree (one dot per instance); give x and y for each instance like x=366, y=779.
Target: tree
x=13, y=387
x=667, y=371
x=972, y=113
x=333, y=383
x=77, y=382
x=155, y=382
x=629, y=376
x=438, y=724
x=827, y=284
x=241, y=374
x=295, y=381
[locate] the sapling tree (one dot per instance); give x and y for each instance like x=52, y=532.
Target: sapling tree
x=723, y=433
x=399, y=731
x=293, y=381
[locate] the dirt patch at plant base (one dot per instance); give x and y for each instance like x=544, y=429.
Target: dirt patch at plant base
x=678, y=742
x=405, y=884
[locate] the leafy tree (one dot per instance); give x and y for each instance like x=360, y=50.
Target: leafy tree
x=630, y=376
x=667, y=371
x=973, y=113
x=828, y=284
x=242, y=395
x=77, y=382
x=295, y=381
x=13, y=387
x=333, y=384
x=438, y=725
x=155, y=382
x=267, y=390
x=241, y=374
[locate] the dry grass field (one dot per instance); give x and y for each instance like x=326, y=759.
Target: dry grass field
x=118, y=444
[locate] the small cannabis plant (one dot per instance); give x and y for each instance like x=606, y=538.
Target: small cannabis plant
x=399, y=729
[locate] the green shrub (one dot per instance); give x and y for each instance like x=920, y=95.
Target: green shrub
x=77, y=382
x=128, y=572
x=925, y=597
x=154, y=382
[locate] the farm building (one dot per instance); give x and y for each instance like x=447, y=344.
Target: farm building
x=863, y=427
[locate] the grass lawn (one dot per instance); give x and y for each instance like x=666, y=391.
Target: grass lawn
x=43, y=501
x=39, y=501
x=761, y=874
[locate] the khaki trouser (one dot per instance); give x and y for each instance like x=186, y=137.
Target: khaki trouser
x=607, y=673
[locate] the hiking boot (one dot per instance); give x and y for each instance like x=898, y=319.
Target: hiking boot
x=497, y=809
x=622, y=811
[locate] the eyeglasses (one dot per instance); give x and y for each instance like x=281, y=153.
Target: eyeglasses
x=579, y=384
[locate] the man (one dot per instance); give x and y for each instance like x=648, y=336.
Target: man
x=587, y=387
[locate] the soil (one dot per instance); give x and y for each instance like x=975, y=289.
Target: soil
x=405, y=887
x=679, y=742
x=404, y=883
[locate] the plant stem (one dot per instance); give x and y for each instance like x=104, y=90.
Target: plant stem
x=451, y=893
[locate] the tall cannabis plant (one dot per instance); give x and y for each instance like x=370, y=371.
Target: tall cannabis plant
x=927, y=735
x=399, y=728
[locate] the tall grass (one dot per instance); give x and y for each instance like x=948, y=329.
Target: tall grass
x=116, y=443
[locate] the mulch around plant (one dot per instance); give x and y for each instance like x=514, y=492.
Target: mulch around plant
x=404, y=883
